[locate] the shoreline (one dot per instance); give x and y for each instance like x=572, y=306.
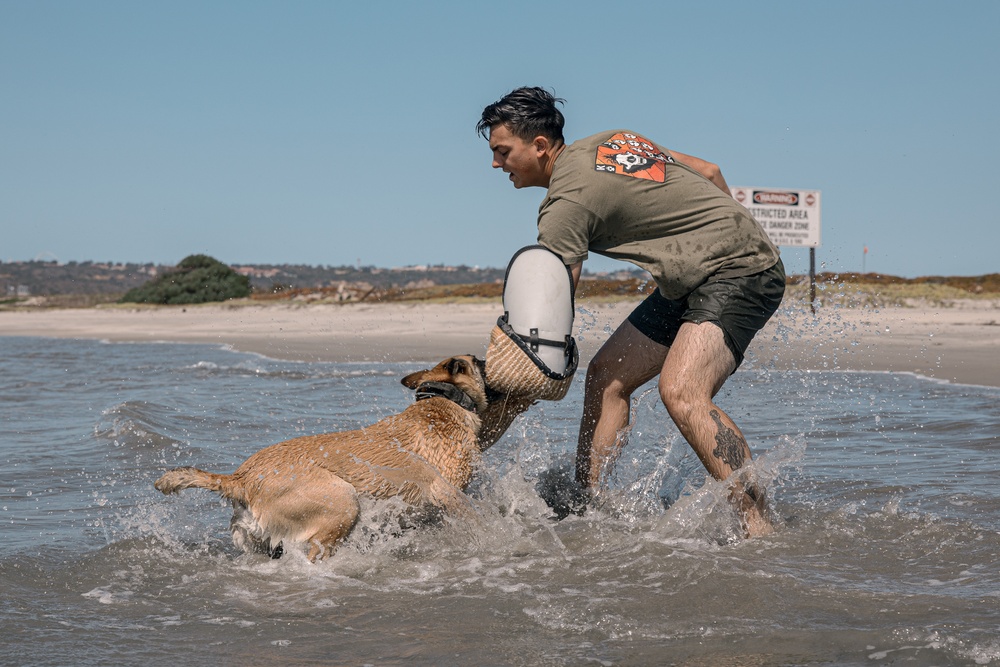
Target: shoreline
x=958, y=343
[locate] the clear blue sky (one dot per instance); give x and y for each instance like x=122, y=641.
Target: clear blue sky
x=328, y=133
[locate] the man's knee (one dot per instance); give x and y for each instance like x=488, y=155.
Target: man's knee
x=678, y=398
x=624, y=363
x=602, y=374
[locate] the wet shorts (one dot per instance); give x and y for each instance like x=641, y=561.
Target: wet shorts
x=740, y=306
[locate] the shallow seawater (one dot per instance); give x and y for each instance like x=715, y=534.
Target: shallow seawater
x=888, y=549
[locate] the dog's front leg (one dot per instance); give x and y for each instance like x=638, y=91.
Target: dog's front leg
x=452, y=500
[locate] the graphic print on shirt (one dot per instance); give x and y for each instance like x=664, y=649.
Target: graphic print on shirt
x=632, y=155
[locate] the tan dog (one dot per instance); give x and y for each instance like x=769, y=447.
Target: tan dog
x=305, y=490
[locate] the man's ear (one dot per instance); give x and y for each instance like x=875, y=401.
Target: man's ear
x=541, y=144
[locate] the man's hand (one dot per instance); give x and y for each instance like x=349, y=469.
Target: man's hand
x=707, y=169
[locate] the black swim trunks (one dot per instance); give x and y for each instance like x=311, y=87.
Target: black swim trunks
x=740, y=306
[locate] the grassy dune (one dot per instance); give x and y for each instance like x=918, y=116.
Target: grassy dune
x=849, y=289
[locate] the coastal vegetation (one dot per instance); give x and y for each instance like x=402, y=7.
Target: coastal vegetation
x=197, y=279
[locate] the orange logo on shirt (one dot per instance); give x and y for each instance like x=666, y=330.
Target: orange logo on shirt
x=632, y=155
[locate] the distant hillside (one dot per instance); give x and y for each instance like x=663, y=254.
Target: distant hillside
x=849, y=289
x=38, y=278
x=989, y=283
x=100, y=282
x=591, y=286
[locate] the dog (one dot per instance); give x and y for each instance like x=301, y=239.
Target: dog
x=306, y=490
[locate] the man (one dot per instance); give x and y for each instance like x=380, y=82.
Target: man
x=719, y=278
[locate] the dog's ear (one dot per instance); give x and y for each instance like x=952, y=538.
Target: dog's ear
x=457, y=366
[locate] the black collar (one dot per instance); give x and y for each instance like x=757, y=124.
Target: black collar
x=446, y=390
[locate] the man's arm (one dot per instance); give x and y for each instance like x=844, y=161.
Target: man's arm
x=707, y=169
x=575, y=270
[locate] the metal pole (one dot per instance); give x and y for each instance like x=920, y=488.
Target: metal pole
x=812, y=279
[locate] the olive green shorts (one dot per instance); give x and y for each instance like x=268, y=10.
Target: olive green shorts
x=739, y=306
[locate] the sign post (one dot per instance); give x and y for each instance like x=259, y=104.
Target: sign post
x=790, y=218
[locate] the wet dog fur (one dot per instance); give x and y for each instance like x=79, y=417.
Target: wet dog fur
x=306, y=490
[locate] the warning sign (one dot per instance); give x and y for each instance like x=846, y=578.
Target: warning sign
x=790, y=217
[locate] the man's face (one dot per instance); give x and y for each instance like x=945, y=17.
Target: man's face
x=517, y=157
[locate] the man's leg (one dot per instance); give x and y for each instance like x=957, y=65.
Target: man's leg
x=697, y=365
x=625, y=362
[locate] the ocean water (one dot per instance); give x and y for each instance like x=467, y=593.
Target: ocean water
x=888, y=550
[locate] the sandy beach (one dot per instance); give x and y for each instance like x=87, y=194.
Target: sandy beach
x=958, y=343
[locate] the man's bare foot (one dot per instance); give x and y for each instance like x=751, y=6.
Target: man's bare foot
x=755, y=523
x=751, y=506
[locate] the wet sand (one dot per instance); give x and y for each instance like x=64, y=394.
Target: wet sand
x=958, y=343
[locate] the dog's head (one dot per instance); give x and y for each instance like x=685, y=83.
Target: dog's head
x=465, y=372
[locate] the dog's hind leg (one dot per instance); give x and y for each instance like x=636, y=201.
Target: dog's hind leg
x=338, y=514
x=249, y=536
x=312, y=506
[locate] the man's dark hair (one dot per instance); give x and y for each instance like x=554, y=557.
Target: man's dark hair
x=527, y=112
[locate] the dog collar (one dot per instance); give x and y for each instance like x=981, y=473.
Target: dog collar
x=446, y=390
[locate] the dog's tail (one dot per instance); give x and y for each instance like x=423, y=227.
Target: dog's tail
x=178, y=479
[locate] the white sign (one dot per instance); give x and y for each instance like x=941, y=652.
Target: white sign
x=790, y=217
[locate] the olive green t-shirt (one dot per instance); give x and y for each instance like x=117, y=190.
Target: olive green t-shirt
x=623, y=196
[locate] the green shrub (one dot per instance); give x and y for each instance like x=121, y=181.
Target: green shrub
x=197, y=279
